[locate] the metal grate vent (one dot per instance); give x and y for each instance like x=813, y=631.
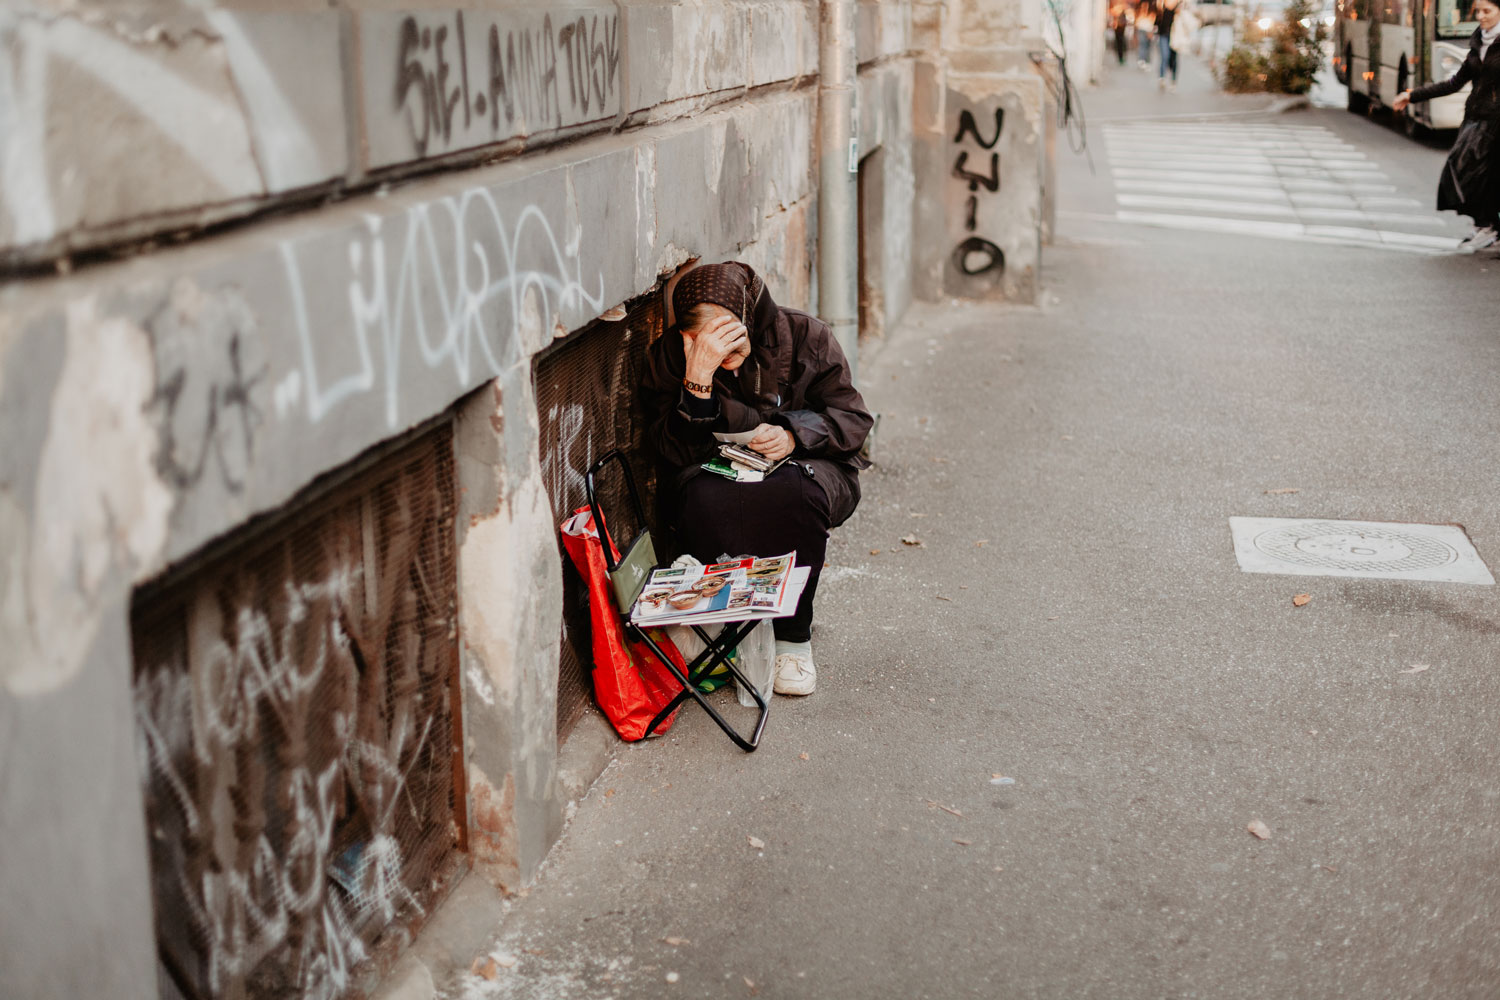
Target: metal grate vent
x=588, y=401
x=294, y=701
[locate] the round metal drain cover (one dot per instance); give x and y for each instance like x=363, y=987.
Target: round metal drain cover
x=1336, y=546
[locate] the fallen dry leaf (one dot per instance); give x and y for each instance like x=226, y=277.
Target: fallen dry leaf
x=874, y=552
x=910, y=540
x=962, y=843
x=489, y=969
x=1283, y=491
x=756, y=842
x=750, y=983
x=947, y=809
x=1331, y=868
x=803, y=756
x=981, y=543
x=609, y=793
x=1417, y=668
x=1300, y=600
x=506, y=961
x=942, y=598
x=676, y=942
x=1258, y=829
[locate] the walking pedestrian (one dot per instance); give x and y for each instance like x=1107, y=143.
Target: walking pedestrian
x=1470, y=182
x=1164, y=22
x=1119, y=20
x=1145, y=23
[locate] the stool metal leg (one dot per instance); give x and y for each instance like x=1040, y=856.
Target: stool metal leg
x=716, y=651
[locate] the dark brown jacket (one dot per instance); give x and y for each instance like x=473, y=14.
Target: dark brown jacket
x=795, y=377
x=1483, y=103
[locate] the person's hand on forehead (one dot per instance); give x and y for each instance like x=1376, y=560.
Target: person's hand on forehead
x=712, y=338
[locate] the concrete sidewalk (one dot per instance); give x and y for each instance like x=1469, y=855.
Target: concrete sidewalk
x=1073, y=619
x=1049, y=701
x=1125, y=92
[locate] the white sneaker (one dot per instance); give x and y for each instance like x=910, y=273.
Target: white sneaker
x=1480, y=239
x=795, y=674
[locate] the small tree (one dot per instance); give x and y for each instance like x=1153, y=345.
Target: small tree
x=1245, y=70
x=1296, y=49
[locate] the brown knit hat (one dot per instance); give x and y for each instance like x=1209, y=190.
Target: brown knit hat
x=731, y=285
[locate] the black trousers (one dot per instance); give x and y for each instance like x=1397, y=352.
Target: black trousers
x=1470, y=183
x=788, y=510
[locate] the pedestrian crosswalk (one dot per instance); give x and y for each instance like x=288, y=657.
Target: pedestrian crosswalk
x=1300, y=182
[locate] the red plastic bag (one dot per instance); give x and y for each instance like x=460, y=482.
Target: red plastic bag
x=630, y=683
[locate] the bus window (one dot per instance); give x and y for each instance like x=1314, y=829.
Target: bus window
x=1455, y=18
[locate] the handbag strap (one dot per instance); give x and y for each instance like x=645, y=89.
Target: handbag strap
x=613, y=455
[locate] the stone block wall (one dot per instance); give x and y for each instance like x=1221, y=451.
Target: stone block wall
x=126, y=123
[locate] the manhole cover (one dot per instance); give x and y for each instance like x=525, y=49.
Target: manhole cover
x=1439, y=552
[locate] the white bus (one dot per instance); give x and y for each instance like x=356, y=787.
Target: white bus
x=1382, y=47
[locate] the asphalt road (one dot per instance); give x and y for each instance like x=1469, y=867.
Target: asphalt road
x=1074, y=619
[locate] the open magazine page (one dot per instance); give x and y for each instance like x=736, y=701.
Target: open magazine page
x=742, y=588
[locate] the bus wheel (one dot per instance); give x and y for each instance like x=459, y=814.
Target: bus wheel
x=1413, y=128
x=1358, y=103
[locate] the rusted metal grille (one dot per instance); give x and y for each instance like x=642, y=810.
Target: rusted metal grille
x=587, y=397
x=295, y=705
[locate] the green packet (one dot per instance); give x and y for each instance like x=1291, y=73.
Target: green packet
x=720, y=466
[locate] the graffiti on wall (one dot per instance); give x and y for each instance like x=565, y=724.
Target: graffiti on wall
x=975, y=254
x=294, y=728
x=206, y=414
x=447, y=284
x=461, y=82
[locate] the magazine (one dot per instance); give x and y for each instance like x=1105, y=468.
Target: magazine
x=728, y=591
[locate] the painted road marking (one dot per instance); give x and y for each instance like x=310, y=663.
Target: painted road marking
x=1287, y=182
x=1275, y=211
x=1293, y=231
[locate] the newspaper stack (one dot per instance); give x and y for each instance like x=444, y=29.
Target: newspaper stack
x=732, y=591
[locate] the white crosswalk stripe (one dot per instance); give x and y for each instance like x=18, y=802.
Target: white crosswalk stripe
x=1300, y=182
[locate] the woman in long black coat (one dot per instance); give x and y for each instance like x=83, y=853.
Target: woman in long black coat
x=737, y=363
x=1470, y=184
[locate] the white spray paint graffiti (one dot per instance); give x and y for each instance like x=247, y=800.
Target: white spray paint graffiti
x=563, y=478
x=208, y=97
x=468, y=301
x=257, y=754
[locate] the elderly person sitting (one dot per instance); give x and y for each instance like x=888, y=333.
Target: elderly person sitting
x=737, y=362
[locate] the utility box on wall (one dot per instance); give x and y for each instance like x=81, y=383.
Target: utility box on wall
x=995, y=159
